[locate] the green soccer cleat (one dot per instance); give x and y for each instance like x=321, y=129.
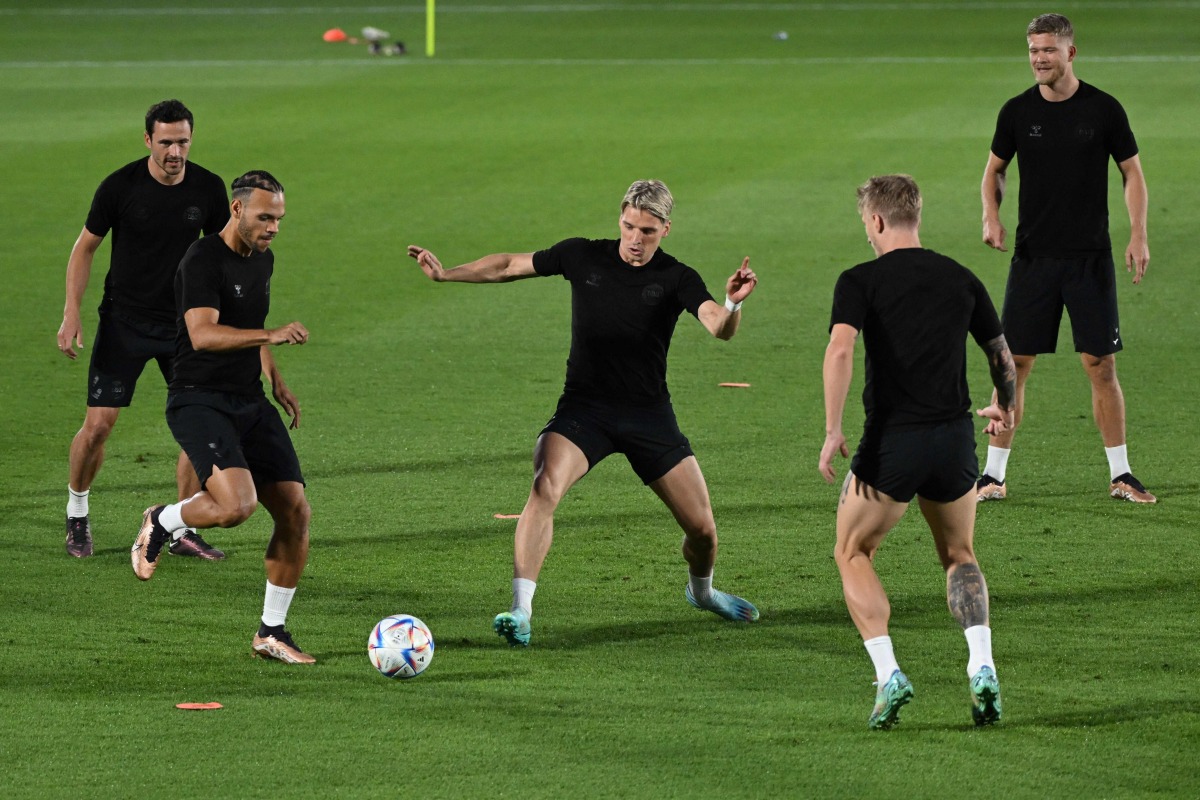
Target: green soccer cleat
x=725, y=605
x=514, y=627
x=985, y=697
x=889, y=699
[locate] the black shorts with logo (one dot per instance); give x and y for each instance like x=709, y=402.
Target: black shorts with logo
x=120, y=351
x=223, y=430
x=934, y=461
x=1038, y=290
x=648, y=437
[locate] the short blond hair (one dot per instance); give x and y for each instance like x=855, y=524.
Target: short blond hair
x=1055, y=24
x=896, y=198
x=652, y=196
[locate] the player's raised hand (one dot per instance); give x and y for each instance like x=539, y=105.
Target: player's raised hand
x=70, y=330
x=427, y=261
x=993, y=234
x=292, y=333
x=742, y=282
x=834, y=443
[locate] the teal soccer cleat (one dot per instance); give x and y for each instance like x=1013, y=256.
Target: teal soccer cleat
x=985, y=697
x=889, y=699
x=729, y=606
x=514, y=627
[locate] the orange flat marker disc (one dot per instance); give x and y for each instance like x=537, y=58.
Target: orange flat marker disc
x=735, y=385
x=507, y=516
x=198, y=706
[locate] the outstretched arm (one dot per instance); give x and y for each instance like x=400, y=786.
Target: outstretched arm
x=1137, y=255
x=496, y=268
x=79, y=270
x=837, y=371
x=1004, y=378
x=995, y=175
x=723, y=321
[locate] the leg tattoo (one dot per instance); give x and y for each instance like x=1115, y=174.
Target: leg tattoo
x=966, y=593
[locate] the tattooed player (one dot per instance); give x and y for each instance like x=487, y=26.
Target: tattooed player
x=914, y=309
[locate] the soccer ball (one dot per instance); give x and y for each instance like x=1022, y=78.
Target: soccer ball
x=400, y=646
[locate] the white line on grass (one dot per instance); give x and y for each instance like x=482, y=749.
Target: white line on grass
x=572, y=8
x=572, y=62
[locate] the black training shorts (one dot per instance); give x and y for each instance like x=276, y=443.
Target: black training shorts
x=120, y=351
x=648, y=437
x=1038, y=290
x=935, y=461
x=224, y=430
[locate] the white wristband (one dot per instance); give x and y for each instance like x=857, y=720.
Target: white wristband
x=732, y=306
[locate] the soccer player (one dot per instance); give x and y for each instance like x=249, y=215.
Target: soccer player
x=626, y=296
x=914, y=309
x=1062, y=132
x=217, y=410
x=155, y=207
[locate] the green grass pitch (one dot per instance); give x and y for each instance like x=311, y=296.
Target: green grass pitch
x=421, y=404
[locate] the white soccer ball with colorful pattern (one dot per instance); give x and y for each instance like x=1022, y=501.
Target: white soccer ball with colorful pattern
x=400, y=646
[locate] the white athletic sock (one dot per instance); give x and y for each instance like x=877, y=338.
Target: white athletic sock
x=275, y=604
x=880, y=651
x=1118, y=460
x=997, y=462
x=171, y=518
x=77, y=502
x=979, y=646
x=701, y=587
x=523, y=590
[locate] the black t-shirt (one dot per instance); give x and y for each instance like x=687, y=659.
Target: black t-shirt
x=622, y=318
x=915, y=308
x=1062, y=154
x=211, y=275
x=152, y=226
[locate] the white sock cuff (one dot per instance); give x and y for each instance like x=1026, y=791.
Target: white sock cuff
x=276, y=602
x=883, y=657
x=77, y=502
x=997, y=462
x=1118, y=460
x=171, y=517
x=523, y=589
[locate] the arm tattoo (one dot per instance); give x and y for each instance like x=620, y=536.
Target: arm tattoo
x=1004, y=371
x=967, y=596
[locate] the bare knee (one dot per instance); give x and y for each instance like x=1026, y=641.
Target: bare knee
x=295, y=518
x=96, y=430
x=700, y=537
x=233, y=514
x=1101, y=370
x=846, y=551
x=547, y=492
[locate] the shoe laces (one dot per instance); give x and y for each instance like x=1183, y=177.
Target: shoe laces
x=77, y=529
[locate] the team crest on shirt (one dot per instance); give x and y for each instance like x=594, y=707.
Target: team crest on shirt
x=192, y=214
x=652, y=295
x=1035, y=131
x=1085, y=133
